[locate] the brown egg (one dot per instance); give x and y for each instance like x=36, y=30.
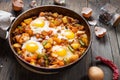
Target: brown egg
x=95, y=73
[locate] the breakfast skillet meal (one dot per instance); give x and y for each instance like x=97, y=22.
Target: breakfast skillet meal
x=50, y=40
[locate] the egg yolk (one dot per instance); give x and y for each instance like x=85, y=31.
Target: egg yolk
x=38, y=23
x=31, y=47
x=61, y=52
x=69, y=34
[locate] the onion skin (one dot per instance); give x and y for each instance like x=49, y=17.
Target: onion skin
x=95, y=73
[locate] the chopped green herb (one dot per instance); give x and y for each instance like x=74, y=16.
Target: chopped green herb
x=66, y=61
x=70, y=48
x=81, y=42
x=46, y=60
x=39, y=56
x=44, y=42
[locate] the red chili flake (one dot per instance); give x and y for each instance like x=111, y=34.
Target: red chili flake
x=111, y=65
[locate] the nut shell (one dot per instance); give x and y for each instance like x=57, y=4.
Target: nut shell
x=17, y=5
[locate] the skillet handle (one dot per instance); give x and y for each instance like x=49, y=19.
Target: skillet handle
x=4, y=33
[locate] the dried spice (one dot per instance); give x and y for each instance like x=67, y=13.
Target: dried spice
x=111, y=65
x=109, y=16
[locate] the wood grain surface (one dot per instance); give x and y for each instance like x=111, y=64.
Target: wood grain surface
x=108, y=46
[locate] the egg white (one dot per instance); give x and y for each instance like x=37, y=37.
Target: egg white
x=39, y=29
x=40, y=47
x=68, y=55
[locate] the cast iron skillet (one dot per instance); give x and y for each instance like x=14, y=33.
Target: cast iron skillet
x=35, y=12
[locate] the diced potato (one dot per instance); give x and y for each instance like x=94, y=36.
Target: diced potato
x=42, y=14
x=16, y=45
x=77, y=25
x=48, y=45
x=28, y=21
x=74, y=29
x=81, y=27
x=52, y=24
x=50, y=32
x=55, y=15
x=57, y=22
x=74, y=57
x=54, y=66
x=33, y=63
x=50, y=40
x=61, y=63
x=64, y=19
x=23, y=24
x=57, y=40
x=75, y=45
x=85, y=39
x=44, y=33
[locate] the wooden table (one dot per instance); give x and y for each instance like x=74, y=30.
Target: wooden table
x=108, y=46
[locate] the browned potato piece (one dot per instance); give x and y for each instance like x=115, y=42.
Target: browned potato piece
x=52, y=24
x=42, y=14
x=85, y=39
x=75, y=45
x=48, y=45
x=28, y=21
x=57, y=22
x=24, y=37
x=55, y=15
x=16, y=45
x=23, y=24
x=64, y=19
x=57, y=40
x=74, y=57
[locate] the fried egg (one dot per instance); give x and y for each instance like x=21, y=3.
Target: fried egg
x=66, y=34
x=39, y=24
x=32, y=46
x=61, y=52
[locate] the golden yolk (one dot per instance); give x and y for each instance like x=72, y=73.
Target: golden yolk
x=31, y=47
x=69, y=34
x=61, y=52
x=38, y=23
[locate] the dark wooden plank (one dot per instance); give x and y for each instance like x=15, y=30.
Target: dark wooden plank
x=115, y=40
x=102, y=47
x=4, y=3
x=85, y=62
x=47, y=2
